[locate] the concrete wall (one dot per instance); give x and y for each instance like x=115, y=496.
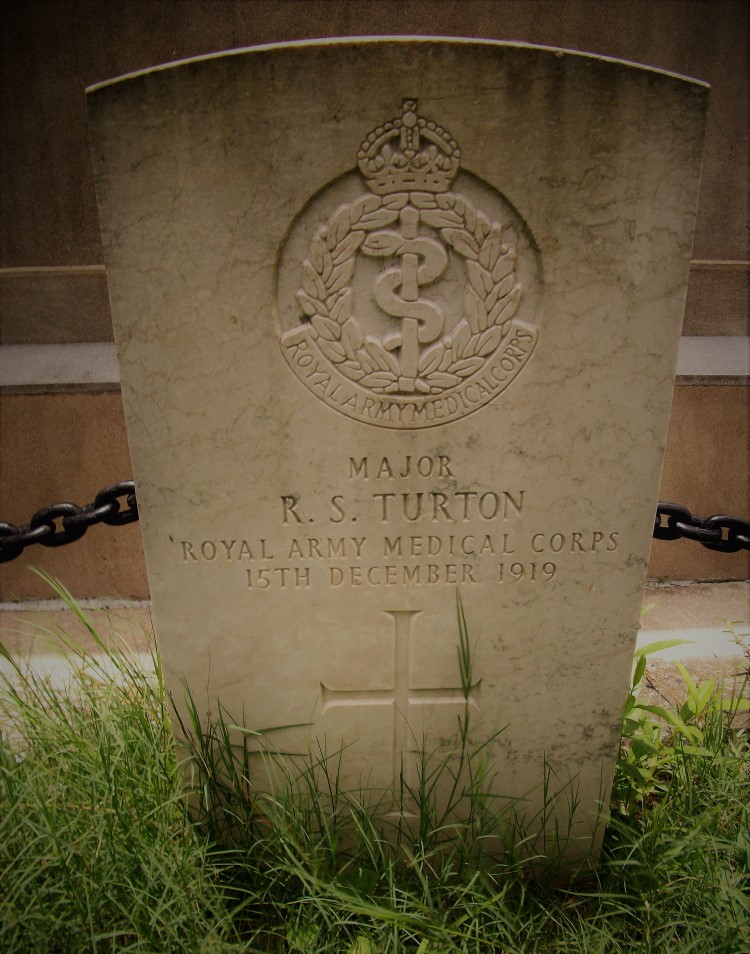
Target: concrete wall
x=62, y=434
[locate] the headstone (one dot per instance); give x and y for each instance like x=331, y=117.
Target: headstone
x=397, y=322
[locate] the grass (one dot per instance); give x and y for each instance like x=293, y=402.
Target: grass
x=100, y=852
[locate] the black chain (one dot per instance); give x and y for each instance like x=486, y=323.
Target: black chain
x=708, y=531
x=74, y=522
x=65, y=522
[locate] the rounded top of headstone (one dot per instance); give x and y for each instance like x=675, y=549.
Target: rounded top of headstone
x=360, y=41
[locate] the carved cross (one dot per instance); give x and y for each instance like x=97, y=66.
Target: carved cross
x=401, y=696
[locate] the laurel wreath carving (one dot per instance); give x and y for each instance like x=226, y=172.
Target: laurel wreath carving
x=492, y=295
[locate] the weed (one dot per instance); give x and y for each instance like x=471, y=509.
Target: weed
x=98, y=852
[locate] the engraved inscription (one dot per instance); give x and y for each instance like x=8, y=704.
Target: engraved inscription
x=363, y=468
x=460, y=505
x=408, y=306
x=414, y=538
x=401, y=696
x=532, y=572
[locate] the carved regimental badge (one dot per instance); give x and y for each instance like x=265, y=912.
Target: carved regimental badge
x=412, y=304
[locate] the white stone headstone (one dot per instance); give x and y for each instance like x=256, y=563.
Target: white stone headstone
x=397, y=321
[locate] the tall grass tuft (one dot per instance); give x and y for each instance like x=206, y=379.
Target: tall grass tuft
x=100, y=849
x=96, y=852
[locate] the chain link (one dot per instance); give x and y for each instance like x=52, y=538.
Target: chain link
x=708, y=531
x=65, y=522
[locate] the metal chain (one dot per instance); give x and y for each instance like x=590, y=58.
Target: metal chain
x=708, y=531
x=74, y=521
x=65, y=522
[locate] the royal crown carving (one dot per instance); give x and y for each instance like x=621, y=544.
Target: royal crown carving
x=410, y=154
